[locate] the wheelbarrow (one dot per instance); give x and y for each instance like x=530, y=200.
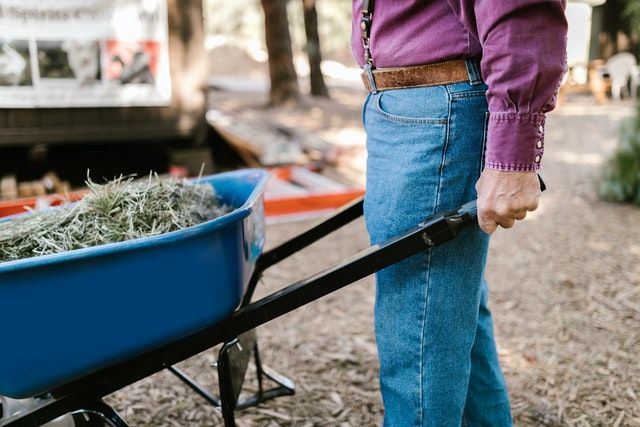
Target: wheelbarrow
x=89, y=322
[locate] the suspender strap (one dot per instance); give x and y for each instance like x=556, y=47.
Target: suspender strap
x=365, y=31
x=367, y=6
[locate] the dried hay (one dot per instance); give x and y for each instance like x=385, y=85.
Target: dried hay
x=119, y=210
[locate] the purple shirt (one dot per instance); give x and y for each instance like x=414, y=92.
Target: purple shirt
x=522, y=46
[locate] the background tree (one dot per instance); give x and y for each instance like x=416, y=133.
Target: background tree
x=318, y=86
x=284, y=80
x=621, y=181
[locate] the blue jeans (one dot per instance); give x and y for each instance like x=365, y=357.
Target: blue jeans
x=438, y=359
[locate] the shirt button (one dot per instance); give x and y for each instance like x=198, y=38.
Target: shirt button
x=537, y=159
x=540, y=129
x=539, y=144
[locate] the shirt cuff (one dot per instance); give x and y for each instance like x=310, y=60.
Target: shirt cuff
x=515, y=142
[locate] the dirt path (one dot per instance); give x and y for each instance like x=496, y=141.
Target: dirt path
x=565, y=292
x=567, y=302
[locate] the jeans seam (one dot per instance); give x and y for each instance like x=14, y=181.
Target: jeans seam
x=485, y=134
x=364, y=108
x=444, y=152
x=428, y=278
x=422, y=340
x=470, y=94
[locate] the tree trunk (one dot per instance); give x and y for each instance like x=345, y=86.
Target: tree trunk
x=318, y=86
x=284, y=80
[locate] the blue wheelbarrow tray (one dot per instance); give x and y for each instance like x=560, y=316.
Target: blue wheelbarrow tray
x=67, y=315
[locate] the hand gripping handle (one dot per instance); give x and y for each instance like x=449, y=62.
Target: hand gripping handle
x=471, y=208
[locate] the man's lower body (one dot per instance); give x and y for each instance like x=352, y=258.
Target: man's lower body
x=438, y=359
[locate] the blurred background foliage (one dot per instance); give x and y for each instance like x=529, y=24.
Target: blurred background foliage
x=621, y=180
x=633, y=13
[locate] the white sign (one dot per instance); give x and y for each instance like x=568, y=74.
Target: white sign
x=84, y=53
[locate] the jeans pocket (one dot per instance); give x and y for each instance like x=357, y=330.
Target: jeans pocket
x=428, y=105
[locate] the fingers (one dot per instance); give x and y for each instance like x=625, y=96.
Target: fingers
x=489, y=219
x=506, y=222
x=487, y=224
x=520, y=215
x=532, y=204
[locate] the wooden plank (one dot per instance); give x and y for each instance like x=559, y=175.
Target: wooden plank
x=18, y=206
x=54, y=117
x=8, y=187
x=314, y=182
x=4, y=117
x=248, y=134
x=313, y=202
x=87, y=116
x=278, y=188
x=22, y=118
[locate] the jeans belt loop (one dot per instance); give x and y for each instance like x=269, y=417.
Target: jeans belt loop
x=368, y=70
x=473, y=69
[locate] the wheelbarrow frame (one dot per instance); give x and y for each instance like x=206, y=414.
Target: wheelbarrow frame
x=85, y=394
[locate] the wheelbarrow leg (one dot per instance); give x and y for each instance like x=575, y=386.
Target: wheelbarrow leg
x=228, y=395
x=232, y=365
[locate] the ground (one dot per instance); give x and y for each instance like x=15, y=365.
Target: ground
x=565, y=293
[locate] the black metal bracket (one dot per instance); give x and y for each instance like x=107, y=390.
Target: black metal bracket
x=99, y=410
x=195, y=386
x=284, y=386
x=233, y=360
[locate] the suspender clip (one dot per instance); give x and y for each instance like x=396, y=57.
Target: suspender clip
x=368, y=71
